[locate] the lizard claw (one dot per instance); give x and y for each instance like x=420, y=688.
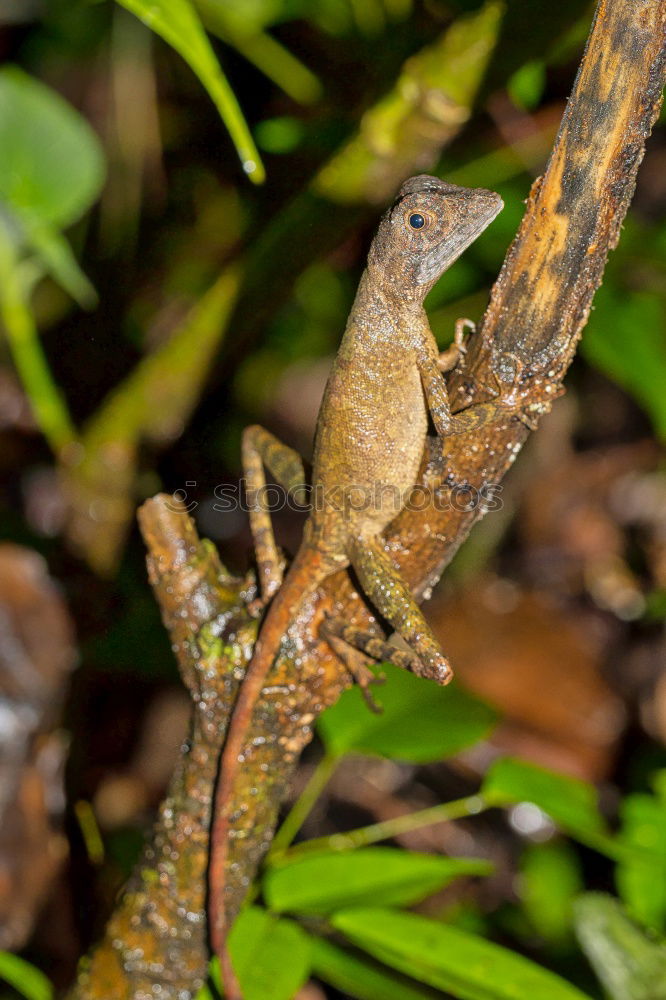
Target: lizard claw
x=459, y=336
x=365, y=677
x=449, y=358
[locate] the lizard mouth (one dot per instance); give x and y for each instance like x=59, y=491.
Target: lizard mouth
x=486, y=206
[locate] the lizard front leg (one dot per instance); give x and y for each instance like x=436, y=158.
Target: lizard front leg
x=260, y=448
x=383, y=584
x=506, y=401
x=446, y=423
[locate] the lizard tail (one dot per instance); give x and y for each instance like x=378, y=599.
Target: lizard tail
x=307, y=571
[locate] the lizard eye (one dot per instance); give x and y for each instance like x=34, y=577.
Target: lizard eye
x=416, y=220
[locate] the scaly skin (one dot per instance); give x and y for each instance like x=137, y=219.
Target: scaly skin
x=370, y=437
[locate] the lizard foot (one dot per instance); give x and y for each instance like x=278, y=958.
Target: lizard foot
x=345, y=640
x=449, y=358
x=508, y=396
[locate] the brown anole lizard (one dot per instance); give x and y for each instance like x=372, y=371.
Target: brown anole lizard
x=370, y=438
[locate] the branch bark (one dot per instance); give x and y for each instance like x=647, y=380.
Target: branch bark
x=538, y=308
x=157, y=933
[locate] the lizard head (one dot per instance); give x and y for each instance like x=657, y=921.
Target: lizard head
x=426, y=229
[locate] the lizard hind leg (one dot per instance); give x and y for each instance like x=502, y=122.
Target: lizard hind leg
x=261, y=448
x=382, y=583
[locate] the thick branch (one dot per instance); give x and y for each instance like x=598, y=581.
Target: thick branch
x=157, y=934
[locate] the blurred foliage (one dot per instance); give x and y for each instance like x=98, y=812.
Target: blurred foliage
x=550, y=880
x=258, y=943
x=28, y=981
x=449, y=721
x=329, y=881
x=217, y=303
x=570, y=802
x=641, y=874
x=448, y=958
x=40, y=196
x=630, y=964
x=178, y=24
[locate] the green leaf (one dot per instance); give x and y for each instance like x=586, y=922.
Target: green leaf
x=238, y=25
x=450, y=959
x=25, y=978
x=270, y=956
x=178, y=23
x=57, y=258
x=361, y=977
x=384, y=876
x=629, y=964
x=550, y=880
x=527, y=84
x=49, y=406
x=52, y=165
x=420, y=722
x=625, y=340
x=570, y=802
x=641, y=873
x=280, y=135
x=655, y=605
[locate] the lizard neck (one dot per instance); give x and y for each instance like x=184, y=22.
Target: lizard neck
x=381, y=315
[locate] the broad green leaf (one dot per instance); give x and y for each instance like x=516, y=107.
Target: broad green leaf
x=383, y=876
x=178, y=23
x=625, y=340
x=25, y=978
x=550, y=880
x=52, y=166
x=361, y=977
x=641, y=874
x=570, y=802
x=467, y=966
x=270, y=956
x=629, y=964
x=420, y=721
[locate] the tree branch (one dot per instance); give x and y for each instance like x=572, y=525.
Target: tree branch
x=528, y=337
x=157, y=933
